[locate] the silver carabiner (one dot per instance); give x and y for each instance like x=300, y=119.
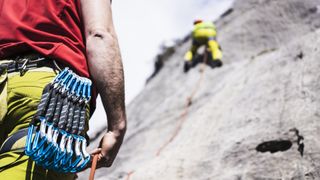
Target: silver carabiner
x=24, y=67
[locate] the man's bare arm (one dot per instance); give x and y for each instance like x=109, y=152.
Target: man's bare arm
x=105, y=67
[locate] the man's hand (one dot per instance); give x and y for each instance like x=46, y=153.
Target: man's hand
x=108, y=149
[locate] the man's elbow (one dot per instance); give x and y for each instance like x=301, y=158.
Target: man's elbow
x=103, y=42
x=102, y=34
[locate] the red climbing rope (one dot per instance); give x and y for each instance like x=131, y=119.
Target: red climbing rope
x=93, y=166
x=184, y=114
x=129, y=175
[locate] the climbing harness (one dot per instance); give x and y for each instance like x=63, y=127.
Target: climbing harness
x=56, y=137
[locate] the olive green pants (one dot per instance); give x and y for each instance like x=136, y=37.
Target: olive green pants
x=19, y=98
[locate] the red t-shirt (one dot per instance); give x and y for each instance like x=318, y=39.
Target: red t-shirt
x=50, y=27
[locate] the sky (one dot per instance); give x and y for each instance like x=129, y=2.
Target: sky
x=142, y=26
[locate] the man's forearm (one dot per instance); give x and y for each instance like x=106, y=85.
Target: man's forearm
x=107, y=72
x=104, y=60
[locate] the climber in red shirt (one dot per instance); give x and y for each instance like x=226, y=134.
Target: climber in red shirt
x=39, y=37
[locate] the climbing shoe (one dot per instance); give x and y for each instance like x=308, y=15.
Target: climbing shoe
x=215, y=63
x=187, y=66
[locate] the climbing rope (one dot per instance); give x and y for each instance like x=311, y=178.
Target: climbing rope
x=185, y=111
x=129, y=174
x=93, y=166
x=183, y=115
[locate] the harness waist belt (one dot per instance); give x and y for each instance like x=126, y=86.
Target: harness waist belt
x=14, y=66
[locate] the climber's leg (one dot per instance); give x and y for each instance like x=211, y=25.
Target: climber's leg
x=216, y=53
x=189, y=62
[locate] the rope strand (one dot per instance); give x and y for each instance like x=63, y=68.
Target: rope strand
x=184, y=114
x=93, y=166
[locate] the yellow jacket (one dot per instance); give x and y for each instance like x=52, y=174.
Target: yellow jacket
x=204, y=30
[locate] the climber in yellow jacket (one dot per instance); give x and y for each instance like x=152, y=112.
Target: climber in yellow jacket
x=204, y=33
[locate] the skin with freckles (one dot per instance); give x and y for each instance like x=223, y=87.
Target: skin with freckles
x=105, y=66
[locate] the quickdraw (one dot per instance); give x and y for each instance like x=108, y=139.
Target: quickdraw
x=56, y=134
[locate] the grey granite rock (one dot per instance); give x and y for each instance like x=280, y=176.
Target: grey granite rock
x=257, y=117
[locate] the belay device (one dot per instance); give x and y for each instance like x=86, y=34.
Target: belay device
x=56, y=137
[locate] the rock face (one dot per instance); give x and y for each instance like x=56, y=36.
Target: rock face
x=257, y=117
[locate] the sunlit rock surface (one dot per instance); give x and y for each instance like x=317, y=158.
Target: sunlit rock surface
x=257, y=117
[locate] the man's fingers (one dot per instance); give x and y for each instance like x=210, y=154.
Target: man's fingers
x=108, y=148
x=95, y=151
x=92, y=154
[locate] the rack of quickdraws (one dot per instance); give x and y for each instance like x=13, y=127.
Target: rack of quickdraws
x=56, y=134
